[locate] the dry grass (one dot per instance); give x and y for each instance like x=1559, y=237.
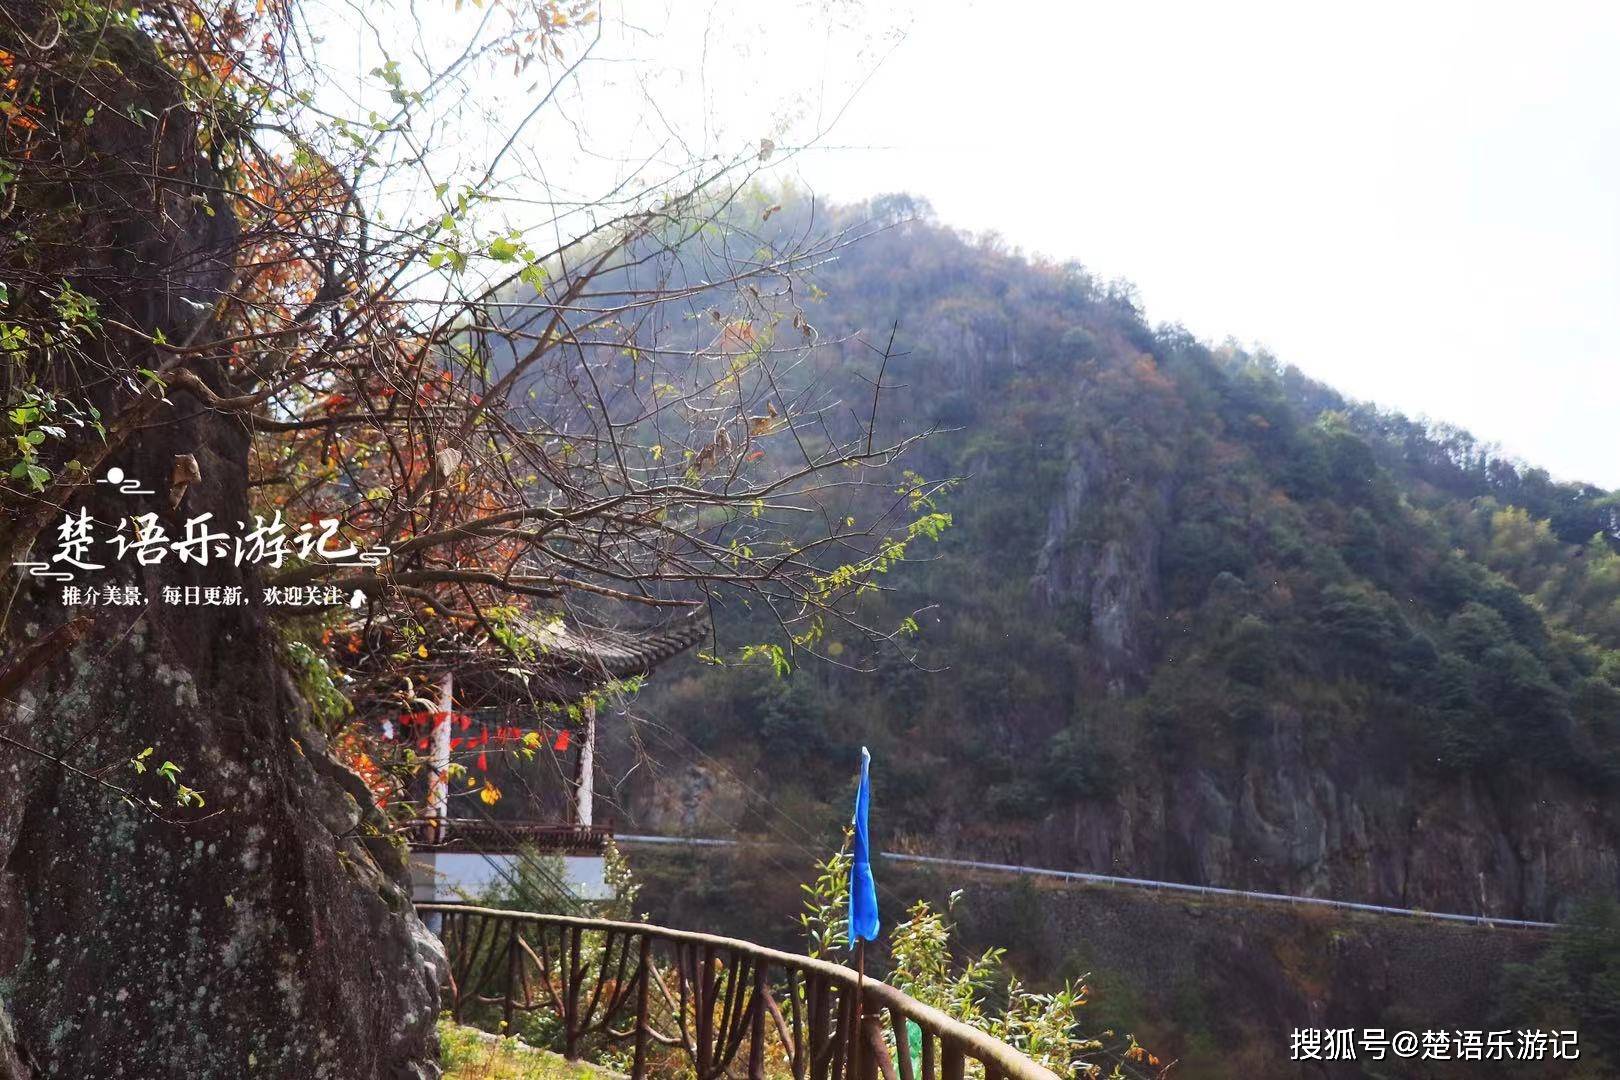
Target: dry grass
x=470, y=1054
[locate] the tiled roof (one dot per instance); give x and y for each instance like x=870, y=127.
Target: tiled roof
x=613, y=654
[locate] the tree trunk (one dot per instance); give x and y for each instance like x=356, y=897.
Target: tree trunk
x=273, y=938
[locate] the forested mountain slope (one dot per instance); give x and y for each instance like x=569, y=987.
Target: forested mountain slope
x=1198, y=617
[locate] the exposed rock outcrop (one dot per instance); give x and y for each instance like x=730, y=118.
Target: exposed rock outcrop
x=1335, y=820
x=1110, y=581
x=1295, y=804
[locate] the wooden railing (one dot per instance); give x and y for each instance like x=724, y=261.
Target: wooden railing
x=702, y=1006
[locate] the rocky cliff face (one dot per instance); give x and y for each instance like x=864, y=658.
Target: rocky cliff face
x=1297, y=805
x=1334, y=821
x=1110, y=582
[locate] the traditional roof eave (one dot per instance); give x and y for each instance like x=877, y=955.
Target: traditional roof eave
x=571, y=659
x=616, y=654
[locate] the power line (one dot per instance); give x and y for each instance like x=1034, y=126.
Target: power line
x=1138, y=883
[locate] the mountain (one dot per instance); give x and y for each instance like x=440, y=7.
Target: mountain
x=1198, y=617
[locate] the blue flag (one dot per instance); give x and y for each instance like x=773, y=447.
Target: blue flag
x=863, y=913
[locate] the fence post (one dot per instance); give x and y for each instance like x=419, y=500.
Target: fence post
x=512, y=960
x=639, y=1068
x=756, y=1036
x=866, y=1062
x=877, y=1059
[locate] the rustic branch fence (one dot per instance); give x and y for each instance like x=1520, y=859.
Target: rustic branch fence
x=703, y=1006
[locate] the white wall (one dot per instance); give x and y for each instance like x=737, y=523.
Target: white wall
x=446, y=876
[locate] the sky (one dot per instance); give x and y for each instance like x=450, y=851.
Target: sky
x=1416, y=203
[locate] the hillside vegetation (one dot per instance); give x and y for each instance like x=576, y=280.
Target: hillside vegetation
x=1197, y=615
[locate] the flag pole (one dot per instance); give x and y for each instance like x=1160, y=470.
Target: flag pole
x=863, y=920
x=859, y=1033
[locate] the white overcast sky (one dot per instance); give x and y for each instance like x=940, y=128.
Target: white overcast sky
x=1418, y=203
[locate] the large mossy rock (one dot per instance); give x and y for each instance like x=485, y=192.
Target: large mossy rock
x=271, y=937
